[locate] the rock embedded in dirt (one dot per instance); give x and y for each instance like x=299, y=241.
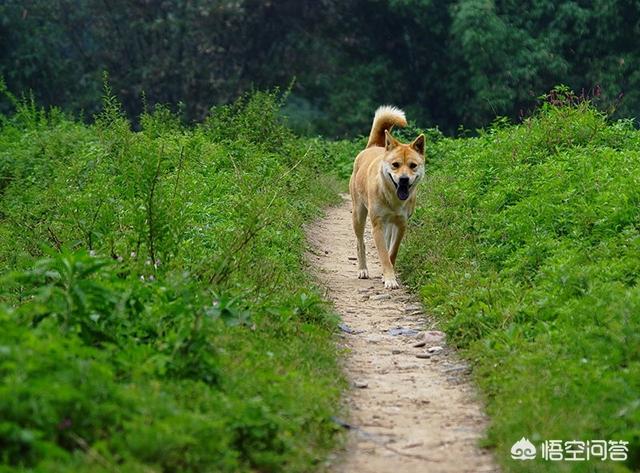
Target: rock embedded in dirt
x=413, y=445
x=420, y=344
x=346, y=329
x=435, y=349
x=380, y=297
x=423, y=355
x=434, y=336
x=458, y=367
x=360, y=384
x=408, y=332
x=413, y=308
x=341, y=423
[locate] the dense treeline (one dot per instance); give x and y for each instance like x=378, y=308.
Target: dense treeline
x=448, y=63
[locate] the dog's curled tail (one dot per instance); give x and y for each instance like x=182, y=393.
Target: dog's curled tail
x=386, y=116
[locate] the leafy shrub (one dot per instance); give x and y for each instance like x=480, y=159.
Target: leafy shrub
x=526, y=246
x=156, y=314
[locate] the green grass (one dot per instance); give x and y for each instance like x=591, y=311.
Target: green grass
x=526, y=246
x=155, y=314
x=154, y=311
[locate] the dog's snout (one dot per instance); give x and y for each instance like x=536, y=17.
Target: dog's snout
x=403, y=181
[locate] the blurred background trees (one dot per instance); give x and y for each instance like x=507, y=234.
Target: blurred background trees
x=448, y=63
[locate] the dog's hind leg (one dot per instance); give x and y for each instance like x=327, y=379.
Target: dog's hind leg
x=359, y=217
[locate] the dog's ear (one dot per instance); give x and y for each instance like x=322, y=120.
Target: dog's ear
x=418, y=144
x=389, y=141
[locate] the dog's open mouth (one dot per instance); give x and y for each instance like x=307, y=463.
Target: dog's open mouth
x=402, y=189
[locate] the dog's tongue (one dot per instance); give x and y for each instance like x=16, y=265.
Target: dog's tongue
x=403, y=192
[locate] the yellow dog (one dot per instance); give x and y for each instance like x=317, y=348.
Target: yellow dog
x=383, y=185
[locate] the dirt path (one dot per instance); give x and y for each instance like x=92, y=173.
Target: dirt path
x=412, y=408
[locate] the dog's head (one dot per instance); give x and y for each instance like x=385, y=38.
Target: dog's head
x=403, y=164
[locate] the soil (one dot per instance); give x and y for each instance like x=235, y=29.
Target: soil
x=412, y=407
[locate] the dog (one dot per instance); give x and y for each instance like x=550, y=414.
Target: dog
x=383, y=186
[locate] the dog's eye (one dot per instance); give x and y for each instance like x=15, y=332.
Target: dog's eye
x=413, y=165
x=395, y=165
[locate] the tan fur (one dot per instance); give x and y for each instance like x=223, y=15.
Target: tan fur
x=376, y=188
x=384, y=119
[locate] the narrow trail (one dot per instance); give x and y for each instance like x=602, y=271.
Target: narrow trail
x=412, y=408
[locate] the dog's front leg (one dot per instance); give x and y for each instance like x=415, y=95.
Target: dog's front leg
x=401, y=228
x=359, y=217
x=388, y=273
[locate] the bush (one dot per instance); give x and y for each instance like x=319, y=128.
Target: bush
x=526, y=246
x=156, y=313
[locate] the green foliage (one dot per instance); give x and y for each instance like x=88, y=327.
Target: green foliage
x=526, y=245
x=341, y=155
x=156, y=314
x=446, y=63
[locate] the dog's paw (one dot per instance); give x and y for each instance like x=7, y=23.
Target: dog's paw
x=391, y=283
x=363, y=274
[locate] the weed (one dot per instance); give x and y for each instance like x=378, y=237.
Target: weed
x=526, y=246
x=156, y=314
